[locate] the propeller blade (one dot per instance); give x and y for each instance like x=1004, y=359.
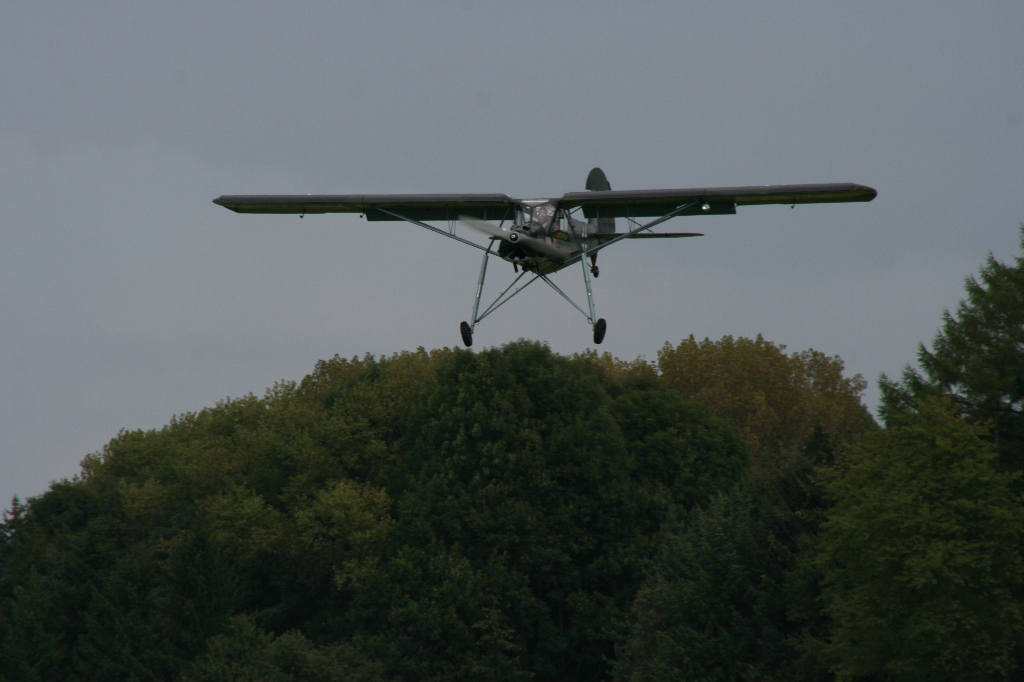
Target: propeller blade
x=553, y=252
x=484, y=227
x=519, y=238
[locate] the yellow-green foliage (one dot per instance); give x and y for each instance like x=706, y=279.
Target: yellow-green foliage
x=776, y=399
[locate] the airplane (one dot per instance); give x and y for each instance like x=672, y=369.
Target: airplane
x=541, y=236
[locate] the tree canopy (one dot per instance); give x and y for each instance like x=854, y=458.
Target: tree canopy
x=442, y=515
x=920, y=556
x=776, y=400
x=731, y=512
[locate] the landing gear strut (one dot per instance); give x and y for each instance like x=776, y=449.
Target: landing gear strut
x=525, y=268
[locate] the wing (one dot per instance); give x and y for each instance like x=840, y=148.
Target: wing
x=377, y=206
x=718, y=200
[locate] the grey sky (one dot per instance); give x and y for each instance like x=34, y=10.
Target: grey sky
x=129, y=297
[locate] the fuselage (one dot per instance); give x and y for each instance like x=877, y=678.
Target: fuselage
x=544, y=238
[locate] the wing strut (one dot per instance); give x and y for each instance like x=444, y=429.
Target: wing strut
x=657, y=221
x=433, y=229
x=501, y=300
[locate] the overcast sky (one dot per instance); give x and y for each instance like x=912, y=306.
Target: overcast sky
x=128, y=297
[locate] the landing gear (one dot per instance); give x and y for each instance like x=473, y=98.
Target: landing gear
x=539, y=269
x=595, y=271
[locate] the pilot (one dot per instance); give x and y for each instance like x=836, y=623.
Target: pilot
x=540, y=223
x=543, y=217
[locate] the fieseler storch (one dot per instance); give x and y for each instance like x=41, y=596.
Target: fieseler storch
x=541, y=236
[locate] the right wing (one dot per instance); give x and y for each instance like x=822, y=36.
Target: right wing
x=634, y=203
x=377, y=206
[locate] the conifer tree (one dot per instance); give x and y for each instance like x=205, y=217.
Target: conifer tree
x=977, y=358
x=920, y=557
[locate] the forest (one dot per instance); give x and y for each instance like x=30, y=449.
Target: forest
x=728, y=511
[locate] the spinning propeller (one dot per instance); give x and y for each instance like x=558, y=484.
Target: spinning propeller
x=517, y=237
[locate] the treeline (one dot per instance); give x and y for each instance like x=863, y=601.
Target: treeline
x=728, y=512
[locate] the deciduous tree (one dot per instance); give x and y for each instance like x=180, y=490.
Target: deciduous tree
x=776, y=399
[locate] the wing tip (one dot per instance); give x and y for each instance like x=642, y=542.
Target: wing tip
x=869, y=192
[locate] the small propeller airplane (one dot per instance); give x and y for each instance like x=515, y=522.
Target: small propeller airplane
x=541, y=236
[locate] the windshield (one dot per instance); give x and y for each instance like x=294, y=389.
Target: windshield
x=538, y=215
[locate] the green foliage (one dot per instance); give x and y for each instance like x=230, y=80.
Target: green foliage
x=977, y=358
x=442, y=515
x=86, y=597
x=920, y=558
x=125, y=572
x=714, y=605
x=542, y=471
x=244, y=652
x=517, y=515
x=776, y=400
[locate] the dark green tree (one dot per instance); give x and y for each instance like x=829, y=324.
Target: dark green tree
x=245, y=652
x=920, y=558
x=715, y=603
x=550, y=479
x=977, y=358
x=443, y=515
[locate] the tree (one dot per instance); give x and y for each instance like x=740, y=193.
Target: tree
x=714, y=604
x=977, y=358
x=920, y=558
x=537, y=483
x=443, y=515
x=776, y=400
x=245, y=652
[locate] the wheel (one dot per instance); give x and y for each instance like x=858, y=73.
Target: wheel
x=599, y=330
x=467, y=334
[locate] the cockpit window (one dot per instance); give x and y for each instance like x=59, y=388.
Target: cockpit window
x=539, y=214
x=543, y=214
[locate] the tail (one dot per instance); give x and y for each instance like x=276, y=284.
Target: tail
x=597, y=182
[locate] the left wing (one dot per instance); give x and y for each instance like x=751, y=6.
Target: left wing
x=717, y=200
x=377, y=206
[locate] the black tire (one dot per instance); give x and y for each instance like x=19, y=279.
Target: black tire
x=467, y=334
x=599, y=330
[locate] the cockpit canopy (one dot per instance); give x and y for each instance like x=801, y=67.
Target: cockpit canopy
x=536, y=216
